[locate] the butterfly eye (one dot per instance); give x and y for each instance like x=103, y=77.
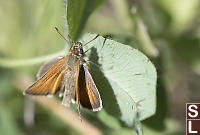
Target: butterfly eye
x=81, y=51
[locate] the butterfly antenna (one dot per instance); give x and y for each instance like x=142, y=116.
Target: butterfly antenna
x=91, y=40
x=94, y=39
x=61, y=35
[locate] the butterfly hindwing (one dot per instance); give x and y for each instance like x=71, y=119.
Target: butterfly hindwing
x=88, y=92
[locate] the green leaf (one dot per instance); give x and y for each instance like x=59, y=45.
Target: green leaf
x=126, y=79
x=78, y=12
x=157, y=121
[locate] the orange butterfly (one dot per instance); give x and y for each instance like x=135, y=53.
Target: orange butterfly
x=70, y=77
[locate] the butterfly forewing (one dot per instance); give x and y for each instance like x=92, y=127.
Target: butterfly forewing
x=49, y=83
x=44, y=68
x=88, y=92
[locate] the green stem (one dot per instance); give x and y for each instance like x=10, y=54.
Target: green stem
x=138, y=126
x=13, y=63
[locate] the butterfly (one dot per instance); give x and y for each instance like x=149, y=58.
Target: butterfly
x=69, y=76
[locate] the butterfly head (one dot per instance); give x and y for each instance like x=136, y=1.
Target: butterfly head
x=77, y=49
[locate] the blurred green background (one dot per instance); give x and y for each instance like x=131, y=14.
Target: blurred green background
x=167, y=31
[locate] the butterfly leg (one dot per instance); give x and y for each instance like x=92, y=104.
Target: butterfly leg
x=88, y=61
x=62, y=89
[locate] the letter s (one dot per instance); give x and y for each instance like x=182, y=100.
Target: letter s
x=193, y=108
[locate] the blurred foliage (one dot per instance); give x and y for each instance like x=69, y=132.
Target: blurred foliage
x=168, y=31
x=77, y=15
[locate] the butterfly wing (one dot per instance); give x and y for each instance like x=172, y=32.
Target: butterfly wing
x=49, y=83
x=44, y=68
x=88, y=92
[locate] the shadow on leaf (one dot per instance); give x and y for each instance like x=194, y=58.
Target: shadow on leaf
x=107, y=95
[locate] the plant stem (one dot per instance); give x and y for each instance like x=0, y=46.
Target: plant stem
x=13, y=63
